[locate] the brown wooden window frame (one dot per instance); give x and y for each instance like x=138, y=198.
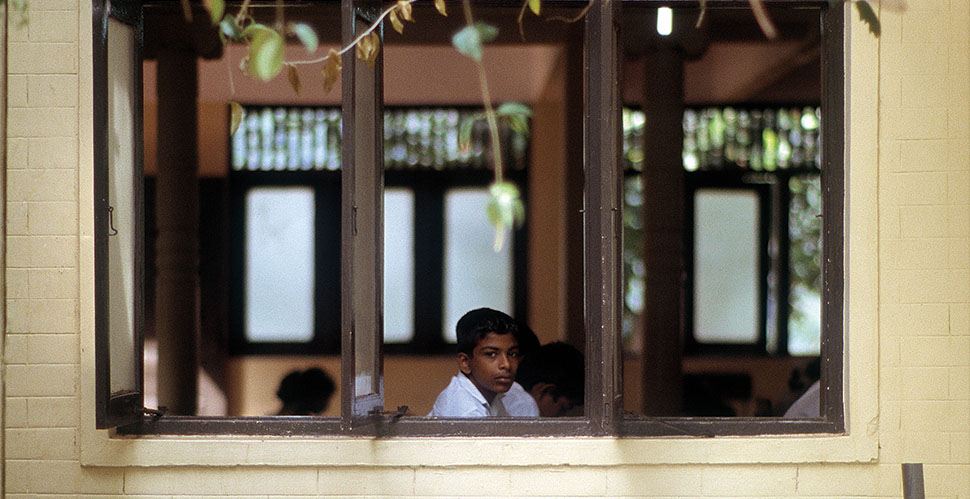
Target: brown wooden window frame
x=361, y=267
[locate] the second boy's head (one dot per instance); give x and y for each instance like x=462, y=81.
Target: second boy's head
x=555, y=377
x=489, y=350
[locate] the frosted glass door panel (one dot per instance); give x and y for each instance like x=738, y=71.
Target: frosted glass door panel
x=474, y=274
x=398, y=265
x=279, y=264
x=726, y=263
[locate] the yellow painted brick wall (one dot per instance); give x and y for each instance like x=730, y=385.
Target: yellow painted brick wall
x=922, y=336
x=924, y=243
x=41, y=354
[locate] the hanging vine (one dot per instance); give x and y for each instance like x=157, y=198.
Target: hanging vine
x=265, y=60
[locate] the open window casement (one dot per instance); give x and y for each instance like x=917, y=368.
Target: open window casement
x=118, y=211
x=362, y=230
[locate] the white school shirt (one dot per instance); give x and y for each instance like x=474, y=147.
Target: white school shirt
x=807, y=406
x=461, y=399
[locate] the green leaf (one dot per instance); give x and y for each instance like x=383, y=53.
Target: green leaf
x=505, y=191
x=20, y=7
x=514, y=108
x=230, y=28
x=535, y=6
x=518, y=115
x=254, y=29
x=187, y=11
x=465, y=132
x=468, y=43
x=486, y=32
x=469, y=40
x=293, y=75
x=266, y=54
x=216, y=9
x=519, y=124
x=331, y=70
x=404, y=7
x=236, y=111
x=504, y=210
x=307, y=36
x=869, y=16
x=395, y=22
x=440, y=5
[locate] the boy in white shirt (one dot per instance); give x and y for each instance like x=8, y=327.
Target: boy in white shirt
x=490, y=345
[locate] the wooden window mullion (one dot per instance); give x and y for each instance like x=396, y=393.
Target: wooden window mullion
x=602, y=220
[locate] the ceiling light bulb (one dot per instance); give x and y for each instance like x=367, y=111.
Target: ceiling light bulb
x=665, y=21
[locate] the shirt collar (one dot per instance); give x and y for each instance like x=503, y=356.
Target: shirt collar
x=467, y=384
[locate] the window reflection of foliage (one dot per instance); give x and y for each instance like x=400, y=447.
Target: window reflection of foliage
x=805, y=231
x=634, y=271
x=799, y=126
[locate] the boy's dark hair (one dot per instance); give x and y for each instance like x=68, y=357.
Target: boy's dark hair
x=305, y=392
x=559, y=364
x=476, y=324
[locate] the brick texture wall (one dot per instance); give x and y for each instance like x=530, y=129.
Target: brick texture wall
x=923, y=341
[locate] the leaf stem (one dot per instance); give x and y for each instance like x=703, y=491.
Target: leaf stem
x=764, y=21
x=242, y=11
x=489, y=111
x=357, y=40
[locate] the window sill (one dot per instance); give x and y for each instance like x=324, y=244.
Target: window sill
x=101, y=448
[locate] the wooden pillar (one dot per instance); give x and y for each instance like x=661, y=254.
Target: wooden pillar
x=575, y=320
x=663, y=187
x=177, y=219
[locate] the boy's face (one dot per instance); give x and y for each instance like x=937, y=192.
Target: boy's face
x=492, y=365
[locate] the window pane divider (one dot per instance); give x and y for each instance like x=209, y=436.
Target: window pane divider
x=602, y=220
x=362, y=228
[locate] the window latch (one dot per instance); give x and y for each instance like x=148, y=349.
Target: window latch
x=155, y=414
x=112, y=231
x=379, y=412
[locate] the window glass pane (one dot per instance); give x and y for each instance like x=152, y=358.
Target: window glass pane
x=726, y=241
x=805, y=230
x=398, y=265
x=475, y=275
x=279, y=264
x=121, y=166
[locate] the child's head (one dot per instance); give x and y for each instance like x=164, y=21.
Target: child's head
x=305, y=392
x=489, y=349
x=555, y=378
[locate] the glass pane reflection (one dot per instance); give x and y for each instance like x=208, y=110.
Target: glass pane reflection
x=398, y=265
x=474, y=275
x=726, y=266
x=279, y=264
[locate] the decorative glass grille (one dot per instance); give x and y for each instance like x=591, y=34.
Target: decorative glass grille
x=715, y=138
x=305, y=138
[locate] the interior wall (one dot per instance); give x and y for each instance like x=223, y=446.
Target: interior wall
x=252, y=381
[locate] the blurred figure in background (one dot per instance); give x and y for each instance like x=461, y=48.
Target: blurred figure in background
x=555, y=377
x=305, y=393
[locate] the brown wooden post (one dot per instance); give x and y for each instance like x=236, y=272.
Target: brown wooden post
x=177, y=218
x=663, y=215
x=575, y=322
